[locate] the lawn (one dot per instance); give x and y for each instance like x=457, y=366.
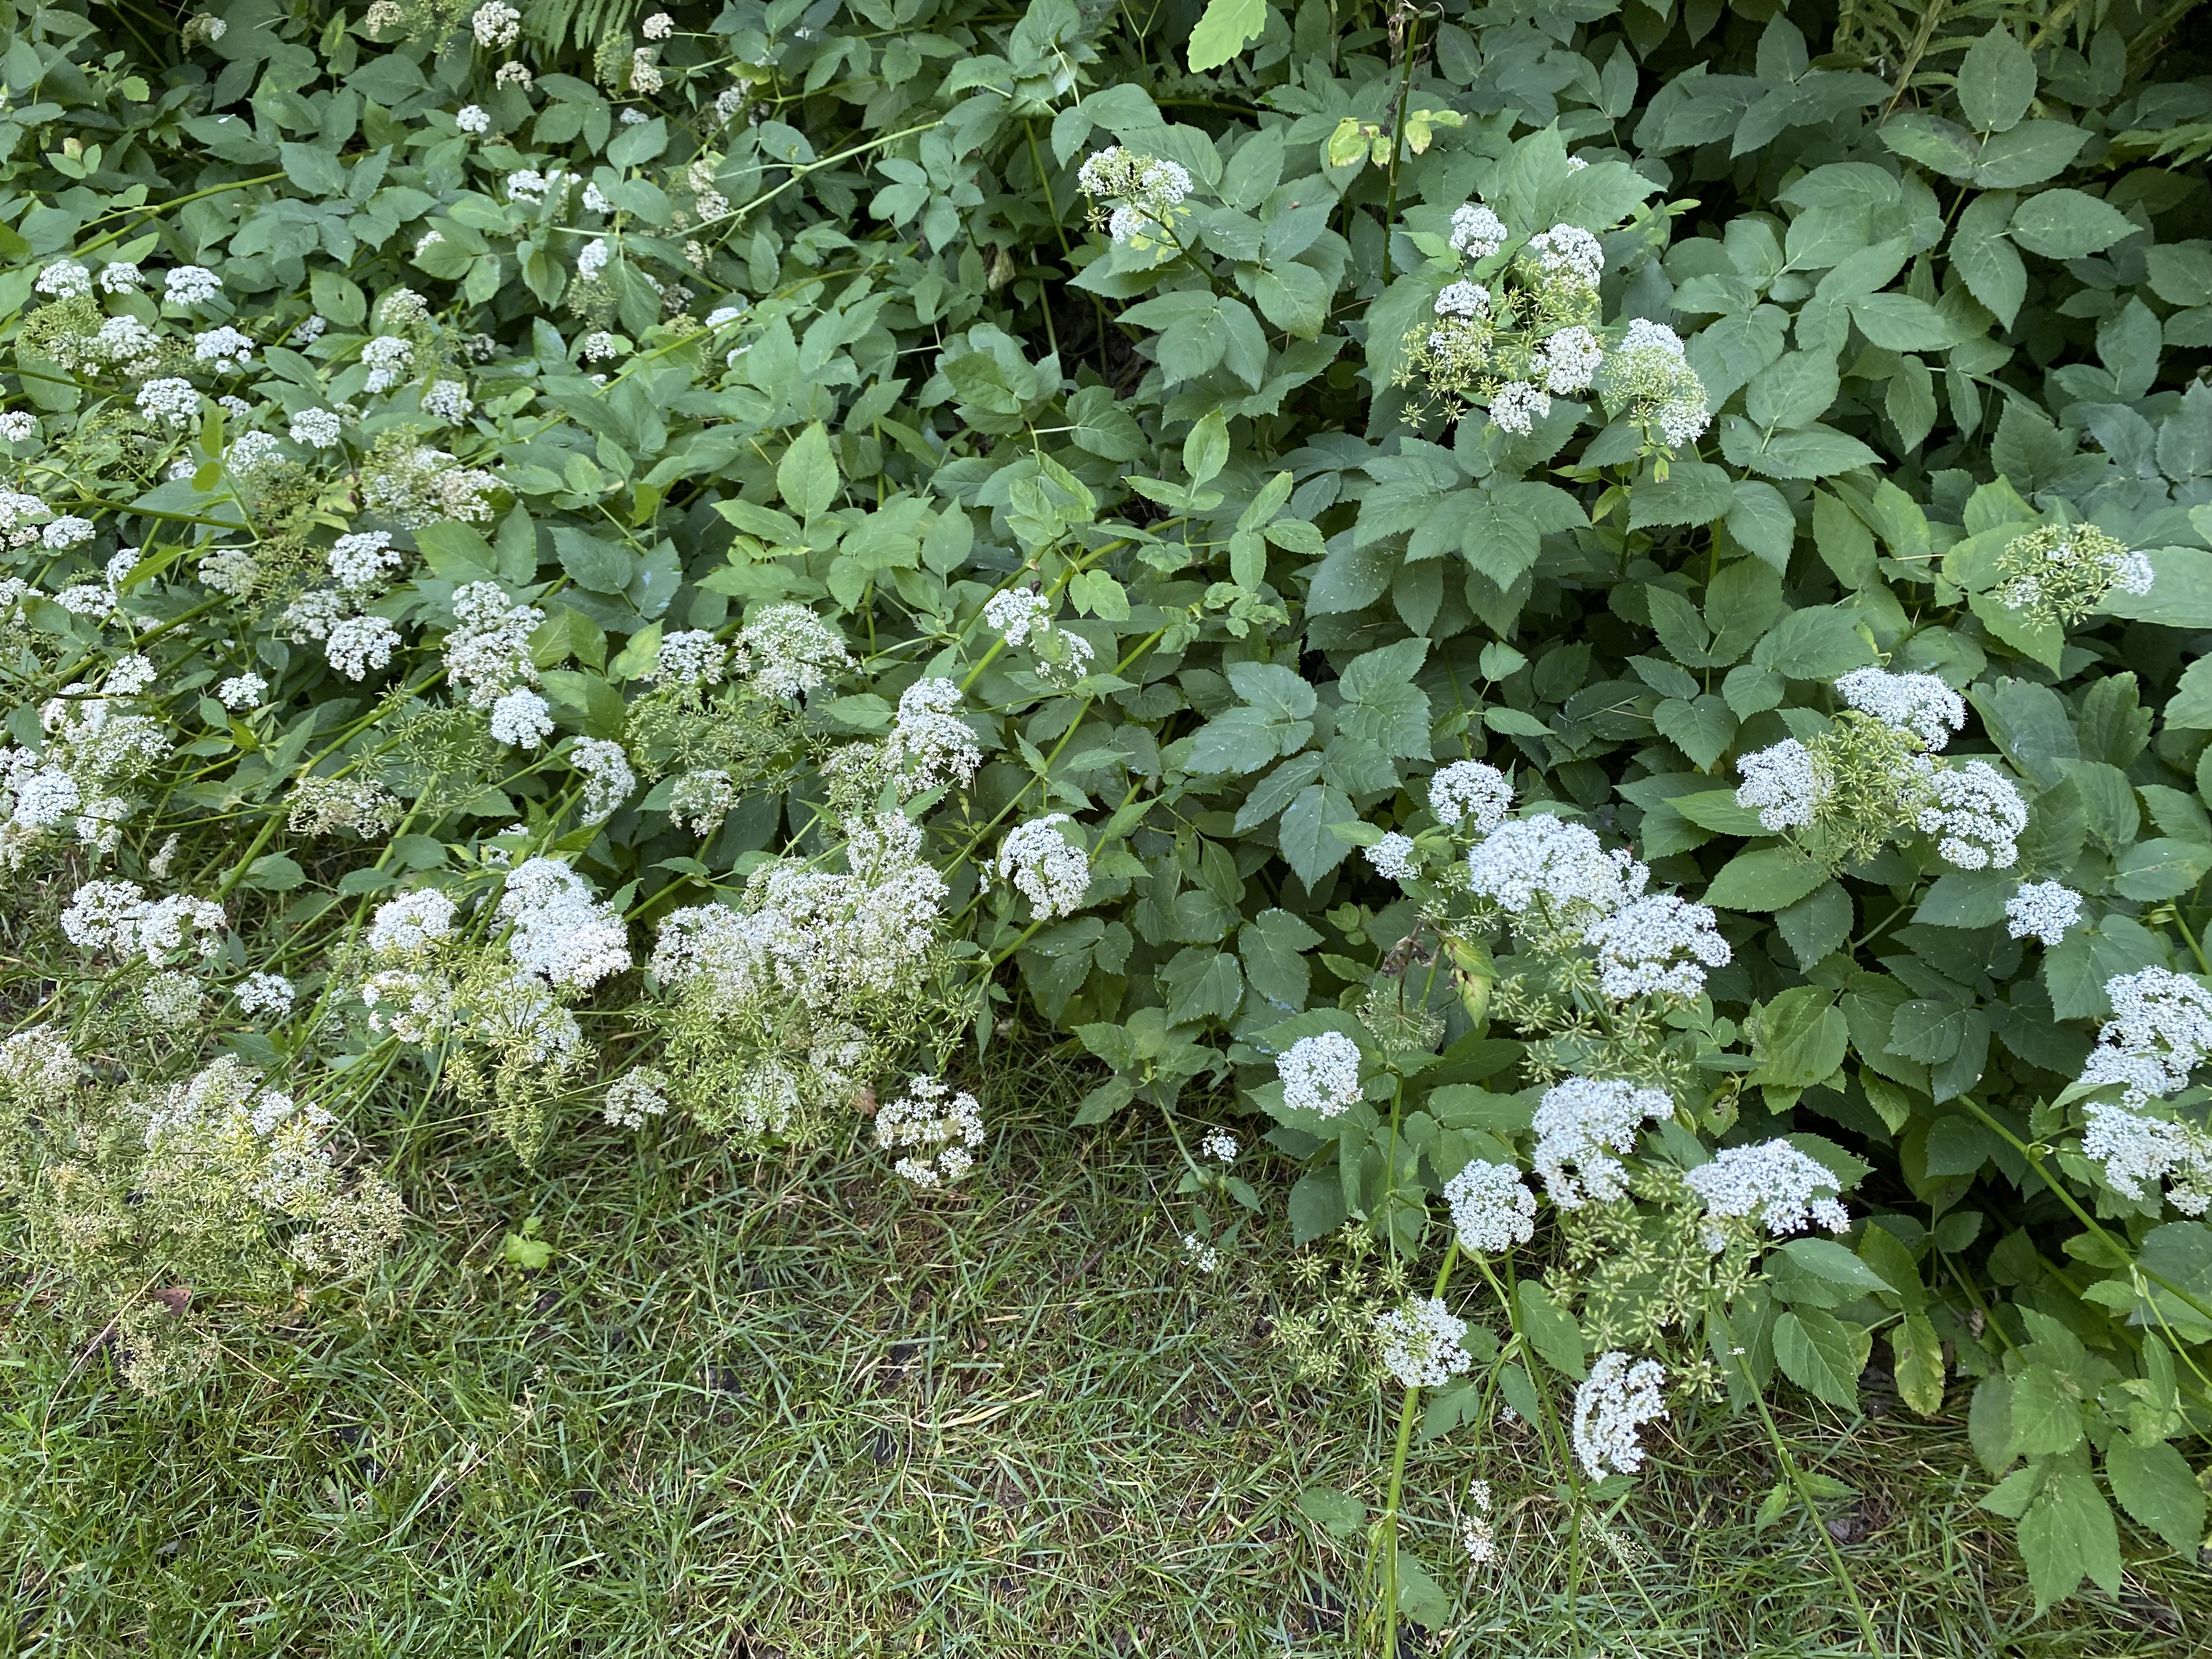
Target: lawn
x=753, y=1409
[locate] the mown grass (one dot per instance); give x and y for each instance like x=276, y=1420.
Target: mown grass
x=751, y=1410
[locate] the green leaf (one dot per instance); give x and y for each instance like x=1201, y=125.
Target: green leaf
x=1201, y=983
x=1916, y=1353
x=1996, y=82
x=1979, y=252
x=1816, y=925
x=1764, y=878
x=1825, y=1258
x=1814, y=645
x=1692, y=493
x=1801, y=1038
x=806, y=479
x=1817, y=1354
x=1312, y=850
x=2067, y=224
x=1382, y=704
x=2045, y=1415
x=1316, y=1206
x=1338, y=1513
x=275, y=873
x=2068, y=1531
x=1760, y=518
x=1227, y=28
x=1272, y=945
x=318, y=172
x=2161, y=869
x=1420, y=1598
x=634, y=146
x=596, y=566
x=1702, y=730
x=2155, y=1484
x=1551, y=1330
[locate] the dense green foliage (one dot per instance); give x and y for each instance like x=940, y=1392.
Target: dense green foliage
x=821, y=306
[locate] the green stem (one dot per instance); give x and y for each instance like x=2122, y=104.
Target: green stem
x=1389, y=1524
x=1397, y=135
x=2035, y=1155
x=1812, y=1512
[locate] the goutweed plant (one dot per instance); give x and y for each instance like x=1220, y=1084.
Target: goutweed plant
x=1589, y=620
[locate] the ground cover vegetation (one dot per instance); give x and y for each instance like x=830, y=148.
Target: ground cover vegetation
x=1547, y=660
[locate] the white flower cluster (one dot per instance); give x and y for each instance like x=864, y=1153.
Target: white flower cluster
x=938, y=1129
x=425, y=485
x=242, y=692
x=690, y=657
x=1015, y=611
x=227, y=348
x=315, y=428
x=635, y=1097
x=929, y=744
x=786, y=651
x=412, y=924
x=1616, y=1400
x=64, y=279
x=1463, y=300
x=2160, y=1031
x=1491, y=1208
x=331, y=806
x=1145, y=190
x=1582, y=1122
x=1785, y=784
x=119, y=918
x=387, y=358
x=487, y=653
x=1649, y=379
x=496, y=24
x=1572, y=360
x=1393, y=856
x=562, y=930
x=473, y=118
x=1320, y=1073
x=1476, y=232
x=1638, y=947
x=226, y=1104
x=1772, y=1181
x=2045, y=909
x=1548, y=861
x=1051, y=872
x=1475, y=1531
x=521, y=718
x=1978, y=815
x=1220, y=1145
x=608, y=779
x=190, y=285
x=2138, y=1153
x=172, y=401
x=1919, y=703
x=39, y=1067
x=358, y=644
x=1565, y=254
x=702, y=799
x=269, y=994
x=361, y=562
x=1517, y=406
x=814, y=936
x=2059, y=573
x=1420, y=1344
x=91, y=746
